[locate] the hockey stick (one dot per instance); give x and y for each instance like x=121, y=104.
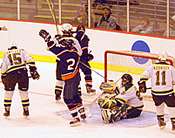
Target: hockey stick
x=95, y=72
x=105, y=86
x=87, y=109
x=51, y=7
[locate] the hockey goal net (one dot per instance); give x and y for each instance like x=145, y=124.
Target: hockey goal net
x=116, y=63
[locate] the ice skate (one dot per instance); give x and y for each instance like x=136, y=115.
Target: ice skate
x=75, y=122
x=90, y=90
x=173, y=127
x=161, y=124
x=57, y=97
x=82, y=114
x=6, y=114
x=25, y=111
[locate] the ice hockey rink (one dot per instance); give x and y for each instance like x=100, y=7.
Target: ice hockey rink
x=51, y=120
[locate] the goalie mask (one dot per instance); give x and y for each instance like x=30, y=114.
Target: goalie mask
x=67, y=28
x=12, y=46
x=163, y=55
x=126, y=79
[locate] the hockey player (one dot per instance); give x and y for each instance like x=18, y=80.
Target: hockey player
x=162, y=77
x=69, y=56
x=67, y=34
x=4, y=28
x=126, y=104
x=85, y=58
x=14, y=72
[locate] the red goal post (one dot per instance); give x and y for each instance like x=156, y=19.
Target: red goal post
x=119, y=59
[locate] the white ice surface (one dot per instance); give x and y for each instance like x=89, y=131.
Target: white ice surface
x=45, y=123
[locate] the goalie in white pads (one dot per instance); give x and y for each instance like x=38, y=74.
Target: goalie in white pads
x=14, y=72
x=162, y=77
x=126, y=104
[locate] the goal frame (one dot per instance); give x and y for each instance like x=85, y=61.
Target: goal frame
x=138, y=54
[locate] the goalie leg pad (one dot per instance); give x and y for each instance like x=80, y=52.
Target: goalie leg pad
x=106, y=115
x=119, y=112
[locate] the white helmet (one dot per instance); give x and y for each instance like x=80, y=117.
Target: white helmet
x=12, y=45
x=66, y=27
x=163, y=55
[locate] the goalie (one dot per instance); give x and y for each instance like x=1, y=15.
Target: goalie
x=126, y=104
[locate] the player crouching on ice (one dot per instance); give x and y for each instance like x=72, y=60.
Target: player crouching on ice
x=127, y=102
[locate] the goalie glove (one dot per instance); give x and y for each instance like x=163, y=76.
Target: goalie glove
x=142, y=86
x=34, y=74
x=45, y=35
x=108, y=87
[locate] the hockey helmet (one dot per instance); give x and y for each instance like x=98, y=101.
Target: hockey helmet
x=80, y=28
x=163, y=55
x=67, y=28
x=126, y=79
x=12, y=46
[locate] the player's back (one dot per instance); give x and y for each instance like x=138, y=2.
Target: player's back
x=69, y=63
x=162, y=77
x=15, y=59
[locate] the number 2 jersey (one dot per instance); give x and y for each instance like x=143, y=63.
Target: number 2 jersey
x=69, y=59
x=15, y=59
x=162, y=77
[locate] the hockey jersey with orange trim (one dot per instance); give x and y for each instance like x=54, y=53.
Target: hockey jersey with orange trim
x=84, y=42
x=69, y=59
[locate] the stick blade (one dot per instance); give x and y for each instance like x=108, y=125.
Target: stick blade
x=88, y=113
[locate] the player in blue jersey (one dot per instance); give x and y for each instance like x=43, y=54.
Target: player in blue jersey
x=69, y=56
x=162, y=76
x=85, y=58
x=14, y=71
x=67, y=34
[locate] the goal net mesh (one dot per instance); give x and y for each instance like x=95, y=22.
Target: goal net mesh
x=119, y=62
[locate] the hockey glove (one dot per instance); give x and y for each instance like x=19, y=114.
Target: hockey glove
x=45, y=35
x=89, y=57
x=108, y=87
x=142, y=86
x=34, y=74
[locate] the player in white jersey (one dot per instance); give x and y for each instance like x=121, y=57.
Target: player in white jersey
x=162, y=77
x=14, y=71
x=127, y=104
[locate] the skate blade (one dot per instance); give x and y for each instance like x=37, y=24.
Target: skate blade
x=7, y=117
x=91, y=93
x=57, y=101
x=26, y=117
x=76, y=124
x=162, y=127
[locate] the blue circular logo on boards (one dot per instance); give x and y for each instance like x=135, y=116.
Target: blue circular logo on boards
x=143, y=47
